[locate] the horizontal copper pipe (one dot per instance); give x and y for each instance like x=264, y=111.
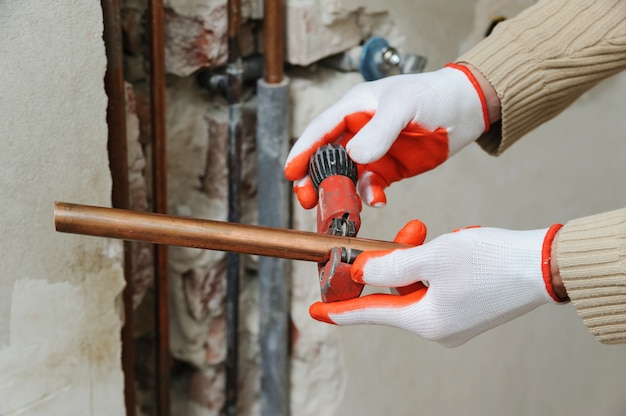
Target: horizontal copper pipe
x=205, y=234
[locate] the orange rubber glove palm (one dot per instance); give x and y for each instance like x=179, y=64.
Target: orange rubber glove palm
x=394, y=128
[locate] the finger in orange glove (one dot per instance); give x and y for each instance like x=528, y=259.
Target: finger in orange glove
x=394, y=128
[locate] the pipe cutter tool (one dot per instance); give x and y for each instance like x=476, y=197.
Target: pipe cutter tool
x=334, y=176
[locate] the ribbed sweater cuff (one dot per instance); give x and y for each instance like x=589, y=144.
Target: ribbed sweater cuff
x=542, y=60
x=591, y=254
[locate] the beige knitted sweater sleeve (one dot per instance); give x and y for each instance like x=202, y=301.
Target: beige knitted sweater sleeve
x=539, y=63
x=543, y=59
x=591, y=255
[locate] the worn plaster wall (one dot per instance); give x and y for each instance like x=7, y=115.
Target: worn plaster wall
x=543, y=363
x=371, y=370
x=59, y=320
x=197, y=137
x=197, y=134
x=197, y=124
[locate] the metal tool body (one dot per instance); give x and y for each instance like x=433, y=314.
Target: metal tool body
x=338, y=213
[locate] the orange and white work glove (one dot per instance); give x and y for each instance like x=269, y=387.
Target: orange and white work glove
x=394, y=128
x=475, y=279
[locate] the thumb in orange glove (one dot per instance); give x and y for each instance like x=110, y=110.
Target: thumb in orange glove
x=394, y=128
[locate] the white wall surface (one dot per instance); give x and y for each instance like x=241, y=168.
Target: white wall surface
x=545, y=363
x=59, y=326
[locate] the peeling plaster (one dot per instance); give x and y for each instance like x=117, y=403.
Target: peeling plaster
x=59, y=324
x=60, y=346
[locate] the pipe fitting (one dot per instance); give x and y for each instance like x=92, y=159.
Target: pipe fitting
x=376, y=59
x=379, y=60
x=216, y=80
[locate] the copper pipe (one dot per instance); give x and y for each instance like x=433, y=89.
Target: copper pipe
x=118, y=162
x=159, y=198
x=205, y=234
x=234, y=29
x=273, y=39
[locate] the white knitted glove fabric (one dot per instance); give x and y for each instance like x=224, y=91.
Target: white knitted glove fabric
x=414, y=121
x=477, y=278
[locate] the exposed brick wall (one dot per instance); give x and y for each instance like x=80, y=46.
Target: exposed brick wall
x=197, y=135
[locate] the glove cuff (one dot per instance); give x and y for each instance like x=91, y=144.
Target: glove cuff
x=546, y=256
x=479, y=91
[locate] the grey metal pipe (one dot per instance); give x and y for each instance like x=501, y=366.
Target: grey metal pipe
x=234, y=94
x=273, y=195
x=159, y=201
x=273, y=202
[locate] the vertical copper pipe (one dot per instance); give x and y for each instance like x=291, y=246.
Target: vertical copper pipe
x=273, y=28
x=234, y=94
x=234, y=28
x=118, y=162
x=159, y=197
x=273, y=210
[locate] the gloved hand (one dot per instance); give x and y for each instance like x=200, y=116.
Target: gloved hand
x=394, y=128
x=476, y=278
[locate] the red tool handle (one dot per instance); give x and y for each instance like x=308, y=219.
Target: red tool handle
x=334, y=175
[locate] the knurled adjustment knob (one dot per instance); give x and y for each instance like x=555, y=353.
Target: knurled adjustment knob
x=331, y=160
